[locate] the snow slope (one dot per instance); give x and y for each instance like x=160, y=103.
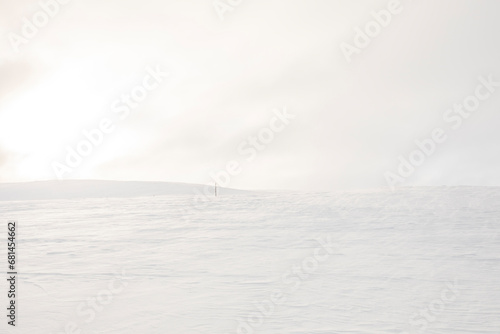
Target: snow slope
x=71, y=189
x=417, y=260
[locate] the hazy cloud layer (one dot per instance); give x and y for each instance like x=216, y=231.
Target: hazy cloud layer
x=352, y=121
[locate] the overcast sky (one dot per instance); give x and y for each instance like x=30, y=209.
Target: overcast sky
x=227, y=78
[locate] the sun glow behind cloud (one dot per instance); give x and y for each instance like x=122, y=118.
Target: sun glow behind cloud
x=36, y=123
x=353, y=120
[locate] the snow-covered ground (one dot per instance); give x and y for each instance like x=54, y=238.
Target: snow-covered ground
x=73, y=189
x=417, y=260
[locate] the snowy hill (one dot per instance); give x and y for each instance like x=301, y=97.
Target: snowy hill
x=73, y=189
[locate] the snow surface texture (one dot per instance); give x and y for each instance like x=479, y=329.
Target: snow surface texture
x=417, y=260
